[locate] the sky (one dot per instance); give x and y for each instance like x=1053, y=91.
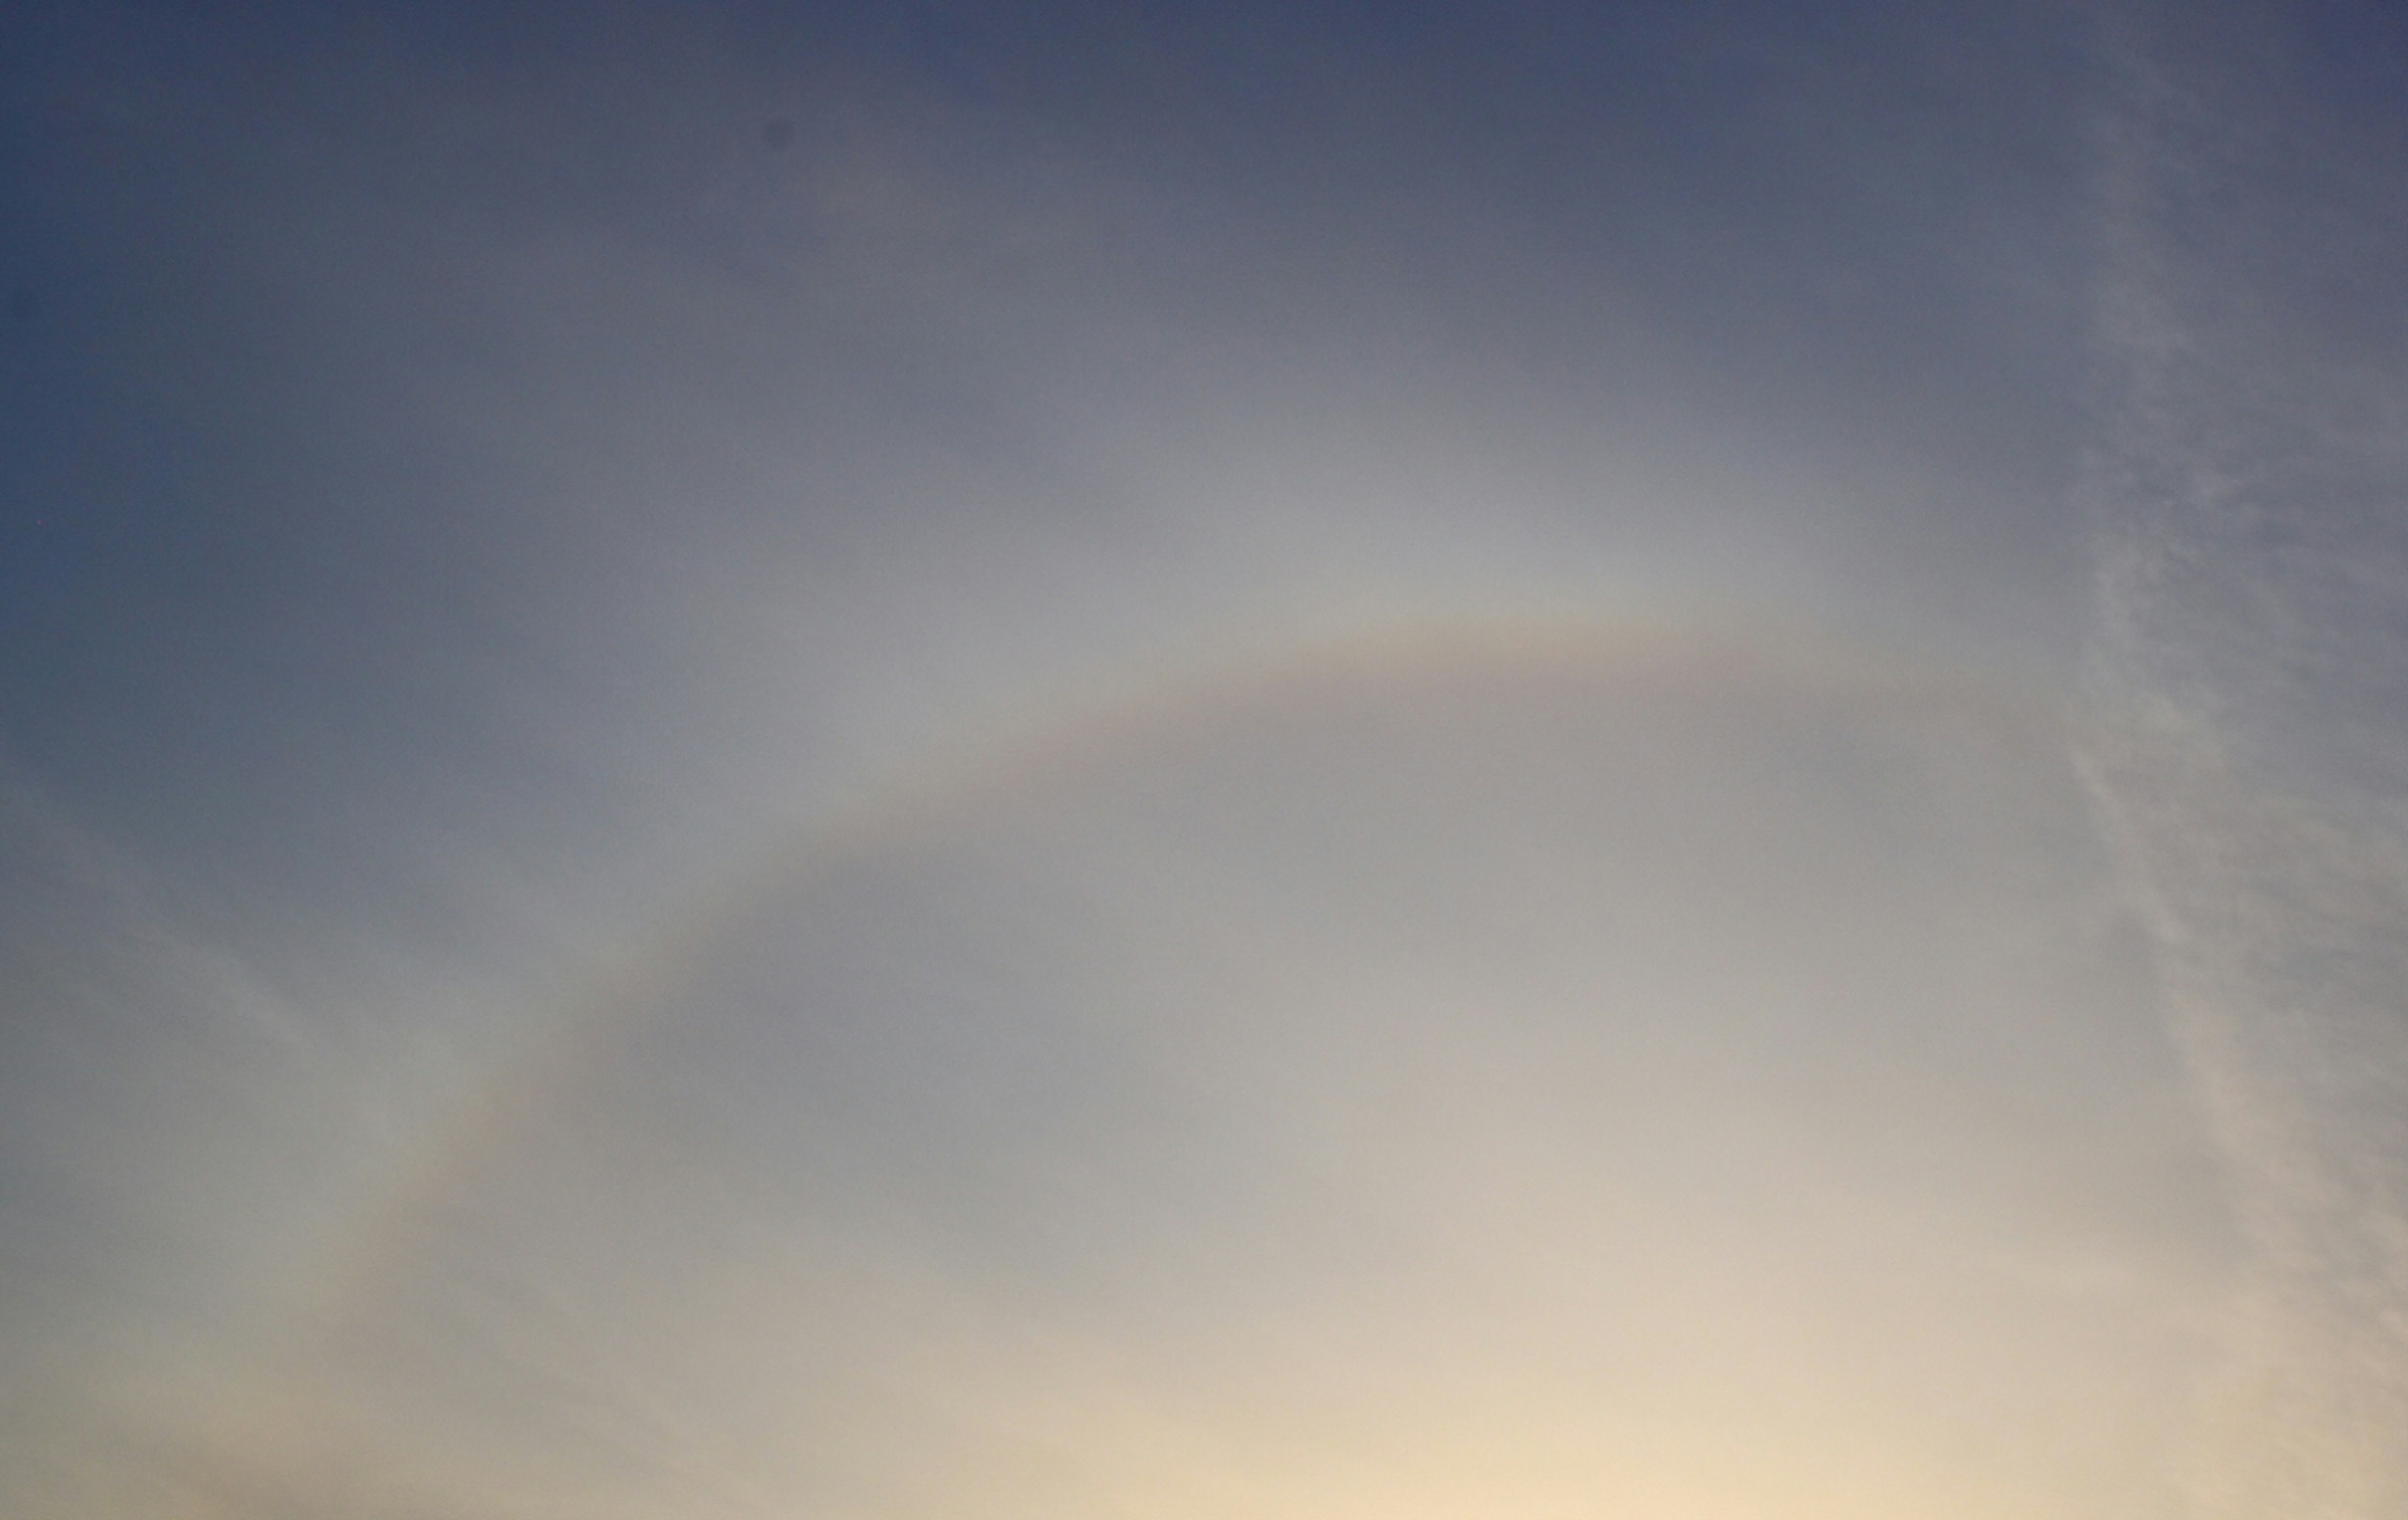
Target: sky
x=1310, y=760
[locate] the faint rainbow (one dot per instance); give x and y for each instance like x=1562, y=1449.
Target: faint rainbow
x=577, y=1033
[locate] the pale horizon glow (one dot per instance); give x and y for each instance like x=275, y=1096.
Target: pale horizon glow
x=902, y=763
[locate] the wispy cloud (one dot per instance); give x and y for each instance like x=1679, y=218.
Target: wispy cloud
x=2247, y=490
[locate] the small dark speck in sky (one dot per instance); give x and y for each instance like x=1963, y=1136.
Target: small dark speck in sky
x=778, y=132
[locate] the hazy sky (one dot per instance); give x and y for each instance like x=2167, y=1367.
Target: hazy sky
x=1305, y=760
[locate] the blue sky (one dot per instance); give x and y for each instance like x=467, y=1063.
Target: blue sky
x=517, y=520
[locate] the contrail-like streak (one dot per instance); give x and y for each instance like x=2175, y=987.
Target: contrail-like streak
x=2249, y=501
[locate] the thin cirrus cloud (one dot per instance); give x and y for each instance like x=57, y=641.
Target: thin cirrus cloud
x=1288, y=761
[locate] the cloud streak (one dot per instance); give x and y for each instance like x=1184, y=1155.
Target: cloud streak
x=876, y=760
x=2247, y=489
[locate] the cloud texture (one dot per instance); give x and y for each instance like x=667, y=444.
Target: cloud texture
x=1272, y=761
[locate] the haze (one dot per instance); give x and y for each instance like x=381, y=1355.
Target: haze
x=1204, y=762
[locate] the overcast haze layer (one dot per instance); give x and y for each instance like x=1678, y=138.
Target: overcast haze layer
x=1259, y=760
